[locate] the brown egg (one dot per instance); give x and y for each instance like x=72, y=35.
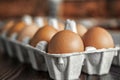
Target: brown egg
x=7, y=26
x=43, y=34
x=81, y=29
x=98, y=38
x=64, y=42
x=27, y=31
x=16, y=28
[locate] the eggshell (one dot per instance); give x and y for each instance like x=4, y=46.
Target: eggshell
x=81, y=29
x=16, y=28
x=27, y=31
x=64, y=42
x=98, y=38
x=7, y=26
x=43, y=34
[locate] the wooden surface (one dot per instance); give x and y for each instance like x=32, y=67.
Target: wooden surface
x=11, y=69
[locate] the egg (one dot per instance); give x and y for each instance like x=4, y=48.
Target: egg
x=43, y=34
x=27, y=31
x=16, y=28
x=81, y=29
x=7, y=26
x=98, y=38
x=64, y=42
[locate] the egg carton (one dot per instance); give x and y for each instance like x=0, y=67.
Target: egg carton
x=65, y=66
x=68, y=66
x=116, y=38
x=28, y=54
x=21, y=51
x=9, y=45
x=6, y=46
x=37, y=59
x=99, y=62
x=3, y=42
x=2, y=45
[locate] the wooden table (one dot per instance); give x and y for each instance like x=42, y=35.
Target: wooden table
x=12, y=69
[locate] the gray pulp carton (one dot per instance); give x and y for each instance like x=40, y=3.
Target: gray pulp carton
x=9, y=45
x=98, y=62
x=22, y=51
x=64, y=66
x=3, y=42
x=26, y=53
x=37, y=60
x=2, y=45
x=9, y=48
x=68, y=66
x=116, y=38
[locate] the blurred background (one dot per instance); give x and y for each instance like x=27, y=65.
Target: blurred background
x=67, y=9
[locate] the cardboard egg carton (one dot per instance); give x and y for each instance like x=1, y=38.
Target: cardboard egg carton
x=21, y=51
x=69, y=66
x=7, y=47
x=99, y=61
x=62, y=66
x=2, y=44
x=65, y=66
x=37, y=60
x=11, y=50
x=26, y=53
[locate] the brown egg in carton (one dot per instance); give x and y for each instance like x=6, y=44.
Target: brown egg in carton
x=56, y=66
x=37, y=60
x=113, y=28
x=69, y=66
x=108, y=24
